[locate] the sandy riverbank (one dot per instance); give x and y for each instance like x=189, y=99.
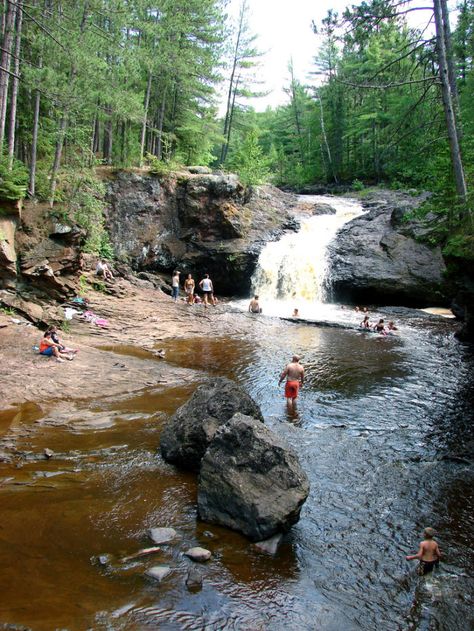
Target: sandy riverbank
x=142, y=319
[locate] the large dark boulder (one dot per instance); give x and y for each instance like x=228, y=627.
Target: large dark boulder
x=380, y=258
x=188, y=433
x=197, y=222
x=250, y=480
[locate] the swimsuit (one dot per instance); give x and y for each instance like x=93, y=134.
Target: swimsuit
x=45, y=349
x=291, y=389
x=426, y=567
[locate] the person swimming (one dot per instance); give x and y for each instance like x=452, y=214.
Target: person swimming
x=380, y=327
x=365, y=324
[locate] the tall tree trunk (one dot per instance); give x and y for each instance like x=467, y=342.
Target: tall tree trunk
x=326, y=144
x=15, y=83
x=108, y=136
x=57, y=158
x=449, y=110
x=161, y=119
x=145, y=118
x=225, y=146
x=449, y=56
x=64, y=118
x=5, y=61
x=34, y=140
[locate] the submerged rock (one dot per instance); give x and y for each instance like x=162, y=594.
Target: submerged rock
x=162, y=535
x=158, y=572
x=198, y=554
x=250, y=480
x=271, y=545
x=194, y=580
x=188, y=433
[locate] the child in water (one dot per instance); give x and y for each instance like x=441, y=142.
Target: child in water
x=429, y=553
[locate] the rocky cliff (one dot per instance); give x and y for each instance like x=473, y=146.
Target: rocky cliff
x=380, y=257
x=197, y=223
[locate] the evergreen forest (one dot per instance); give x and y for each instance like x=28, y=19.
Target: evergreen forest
x=130, y=83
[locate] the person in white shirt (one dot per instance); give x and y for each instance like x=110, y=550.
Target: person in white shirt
x=175, y=285
x=208, y=290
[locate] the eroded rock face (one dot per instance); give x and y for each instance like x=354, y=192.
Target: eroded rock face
x=376, y=259
x=188, y=433
x=198, y=222
x=8, y=257
x=250, y=480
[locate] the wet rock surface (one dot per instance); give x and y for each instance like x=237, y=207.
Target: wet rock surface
x=250, y=480
x=376, y=257
x=158, y=572
x=200, y=555
x=162, y=535
x=189, y=432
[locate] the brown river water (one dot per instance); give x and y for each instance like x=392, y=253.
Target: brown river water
x=382, y=429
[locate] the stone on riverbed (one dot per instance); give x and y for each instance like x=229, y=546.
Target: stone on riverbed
x=162, y=535
x=188, y=433
x=198, y=554
x=270, y=546
x=158, y=572
x=250, y=480
x=194, y=580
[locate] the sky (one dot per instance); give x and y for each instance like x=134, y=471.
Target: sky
x=284, y=31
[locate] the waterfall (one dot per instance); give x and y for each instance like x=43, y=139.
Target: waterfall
x=294, y=268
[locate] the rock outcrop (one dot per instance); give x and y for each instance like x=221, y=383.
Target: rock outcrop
x=188, y=433
x=250, y=480
x=195, y=221
x=39, y=259
x=378, y=258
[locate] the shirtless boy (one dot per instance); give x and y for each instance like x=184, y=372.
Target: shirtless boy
x=294, y=373
x=429, y=554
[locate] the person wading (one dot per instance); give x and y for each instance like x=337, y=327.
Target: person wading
x=294, y=374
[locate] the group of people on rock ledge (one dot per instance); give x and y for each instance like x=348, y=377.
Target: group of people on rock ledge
x=189, y=286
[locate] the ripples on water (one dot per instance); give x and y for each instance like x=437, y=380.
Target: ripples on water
x=382, y=428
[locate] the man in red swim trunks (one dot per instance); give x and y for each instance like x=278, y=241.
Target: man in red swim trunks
x=294, y=373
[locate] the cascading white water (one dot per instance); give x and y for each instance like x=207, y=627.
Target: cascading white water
x=293, y=269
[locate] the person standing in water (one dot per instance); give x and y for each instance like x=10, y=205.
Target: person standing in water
x=294, y=374
x=428, y=553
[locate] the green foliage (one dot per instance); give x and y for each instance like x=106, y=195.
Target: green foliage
x=65, y=326
x=357, y=185
x=13, y=181
x=8, y=311
x=460, y=246
x=249, y=161
x=83, y=197
x=83, y=285
x=161, y=168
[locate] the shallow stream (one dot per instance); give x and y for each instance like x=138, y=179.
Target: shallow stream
x=382, y=428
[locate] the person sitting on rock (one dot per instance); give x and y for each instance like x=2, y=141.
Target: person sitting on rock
x=62, y=347
x=254, y=306
x=49, y=348
x=102, y=269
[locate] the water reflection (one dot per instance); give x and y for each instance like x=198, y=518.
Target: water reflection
x=375, y=421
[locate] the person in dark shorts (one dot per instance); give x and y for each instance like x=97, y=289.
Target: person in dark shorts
x=428, y=554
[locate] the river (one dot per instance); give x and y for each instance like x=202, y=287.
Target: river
x=383, y=428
